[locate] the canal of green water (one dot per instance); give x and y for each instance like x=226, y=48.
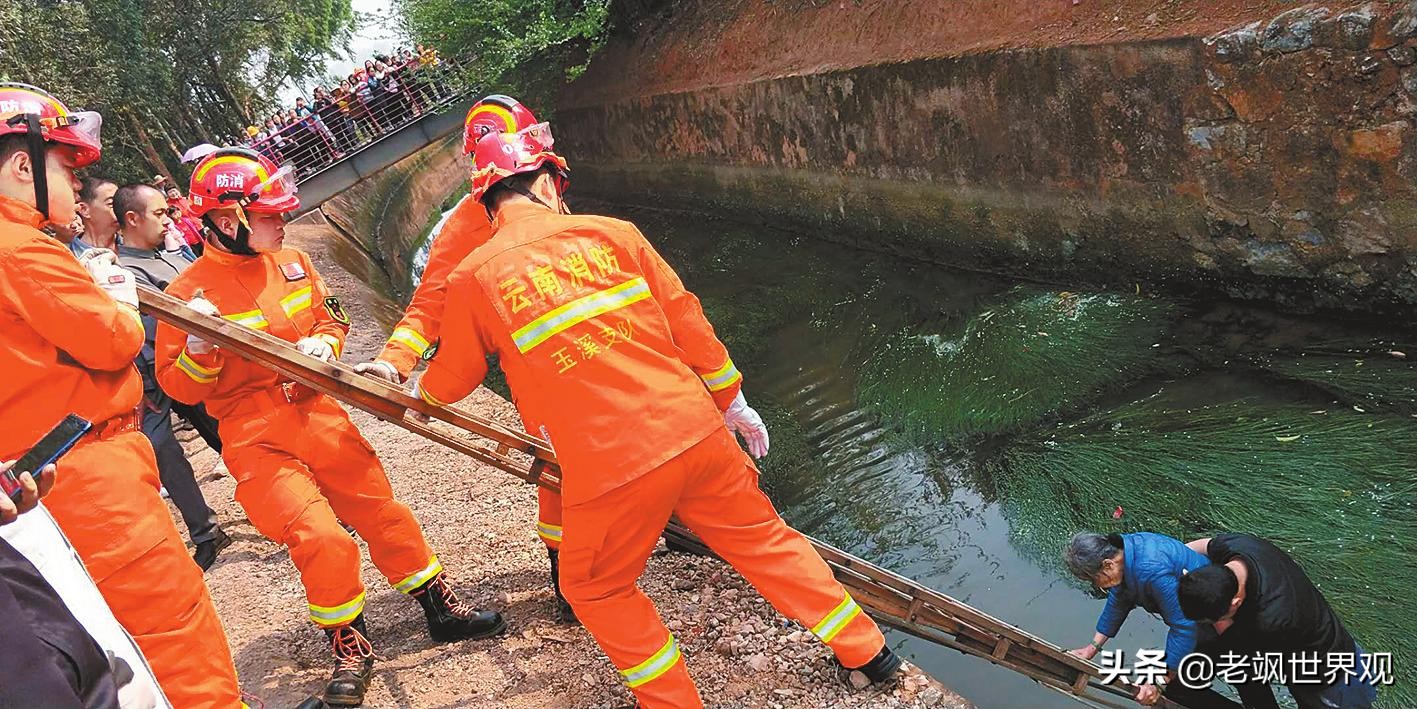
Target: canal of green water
x=957, y=428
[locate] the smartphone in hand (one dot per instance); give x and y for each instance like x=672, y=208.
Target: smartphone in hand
x=48, y=450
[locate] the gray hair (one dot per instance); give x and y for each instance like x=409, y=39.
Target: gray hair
x=1087, y=550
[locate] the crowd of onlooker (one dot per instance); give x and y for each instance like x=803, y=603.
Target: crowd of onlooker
x=387, y=92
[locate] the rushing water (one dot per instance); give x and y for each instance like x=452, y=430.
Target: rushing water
x=956, y=428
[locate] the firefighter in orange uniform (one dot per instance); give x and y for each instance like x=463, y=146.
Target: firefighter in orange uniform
x=416, y=336
x=68, y=347
x=604, y=346
x=297, y=458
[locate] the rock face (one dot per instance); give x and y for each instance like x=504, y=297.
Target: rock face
x=1267, y=157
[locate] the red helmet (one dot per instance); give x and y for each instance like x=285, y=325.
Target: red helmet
x=494, y=114
x=501, y=155
x=236, y=177
x=23, y=106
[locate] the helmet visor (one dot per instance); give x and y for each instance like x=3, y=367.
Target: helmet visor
x=281, y=183
x=86, y=126
x=537, y=137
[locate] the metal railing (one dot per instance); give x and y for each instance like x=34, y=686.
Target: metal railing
x=343, y=123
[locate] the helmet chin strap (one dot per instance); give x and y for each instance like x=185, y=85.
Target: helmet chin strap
x=34, y=146
x=557, y=178
x=241, y=243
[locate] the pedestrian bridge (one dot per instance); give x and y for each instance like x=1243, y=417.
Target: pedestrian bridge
x=318, y=187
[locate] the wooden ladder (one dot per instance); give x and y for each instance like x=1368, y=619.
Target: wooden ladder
x=890, y=598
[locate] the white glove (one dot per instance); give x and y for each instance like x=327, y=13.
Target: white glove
x=316, y=347
x=89, y=256
x=746, y=422
x=379, y=369
x=103, y=267
x=195, y=344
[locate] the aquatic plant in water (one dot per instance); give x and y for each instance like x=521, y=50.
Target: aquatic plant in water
x=1032, y=355
x=1335, y=488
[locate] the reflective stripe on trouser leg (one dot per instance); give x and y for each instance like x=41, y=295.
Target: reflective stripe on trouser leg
x=833, y=623
x=655, y=666
x=422, y=576
x=281, y=498
x=343, y=614
x=353, y=480
x=607, y=542
x=550, y=534
x=725, y=507
x=548, y=518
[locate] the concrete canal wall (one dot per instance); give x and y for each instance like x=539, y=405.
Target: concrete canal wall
x=1260, y=149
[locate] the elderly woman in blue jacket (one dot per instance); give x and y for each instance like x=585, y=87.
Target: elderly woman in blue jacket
x=1141, y=569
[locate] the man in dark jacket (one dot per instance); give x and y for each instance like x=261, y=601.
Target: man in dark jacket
x=142, y=220
x=1261, y=603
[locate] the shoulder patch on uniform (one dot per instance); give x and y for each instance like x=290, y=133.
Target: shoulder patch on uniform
x=336, y=311
x=293, y=271
x=432, y=350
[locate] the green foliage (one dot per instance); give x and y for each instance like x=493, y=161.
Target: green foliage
x=1035, y=354
x=523, y=47
x=167, y=74
x=1334, y=488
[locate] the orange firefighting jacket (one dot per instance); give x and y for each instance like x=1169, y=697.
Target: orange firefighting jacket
x=598, y=338
x=277, y=292
x=466, y=229
x=67, y=346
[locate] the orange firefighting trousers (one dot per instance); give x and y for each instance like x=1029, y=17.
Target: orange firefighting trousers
x=713, y=488
x=548, y=518
x=300, y=467
x=106, y=500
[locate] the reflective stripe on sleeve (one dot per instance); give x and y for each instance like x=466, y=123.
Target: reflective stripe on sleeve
x=651, y=669
x=253, y=319
x=424, y=395
x=333, y=342
x=411, y=339
x=837, y=619
x=197, y=372
x=579, y=311
x=722, y=378
x=297, y=301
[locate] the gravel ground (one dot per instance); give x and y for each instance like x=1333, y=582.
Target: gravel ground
x=481, y=521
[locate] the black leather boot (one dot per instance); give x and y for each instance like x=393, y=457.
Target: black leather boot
x=564, y=612
x=354, y=663
x=449, y=619
x=882, y=667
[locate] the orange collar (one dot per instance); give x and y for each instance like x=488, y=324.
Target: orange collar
x=13, y=210
x=226, y=258
x=515, y=209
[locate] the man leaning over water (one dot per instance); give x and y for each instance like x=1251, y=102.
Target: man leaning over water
x=1262, y=604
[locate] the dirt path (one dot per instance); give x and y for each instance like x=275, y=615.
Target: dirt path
x=480, y=522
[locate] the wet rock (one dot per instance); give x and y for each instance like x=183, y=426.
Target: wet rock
x=1351, y=30
x=1292, y=31
x=1272, y=260
x=1235, y=44
x=1379, y=144
x=1404, y=23
x=1367, y=65
x=1403, y=55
